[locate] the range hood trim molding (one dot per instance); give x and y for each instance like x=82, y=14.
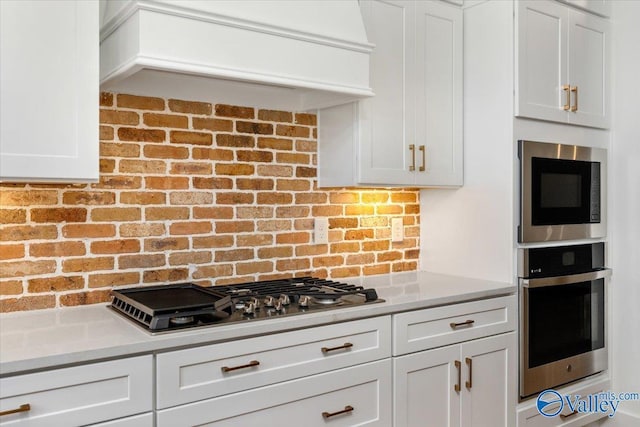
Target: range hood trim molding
x=112, y=25
x=334, y=69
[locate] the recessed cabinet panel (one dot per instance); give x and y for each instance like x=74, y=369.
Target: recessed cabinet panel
x=387, y=120
x=489, y=366
x=49, y=87
x=438, y=94
x=542, y=59
x=587, y=60
x=424, y=388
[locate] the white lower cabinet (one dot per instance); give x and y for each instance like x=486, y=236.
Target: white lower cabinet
x=468, y=384
x=360, y=395
x=198, y=373
x=79, y=395
x=456, y=365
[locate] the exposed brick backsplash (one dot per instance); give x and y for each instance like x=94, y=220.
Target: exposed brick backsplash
x=191, y=191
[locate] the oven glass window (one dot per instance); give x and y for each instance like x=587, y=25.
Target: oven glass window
x=565, y=321
x=561, y=191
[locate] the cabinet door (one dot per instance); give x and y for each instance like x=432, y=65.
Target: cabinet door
x=423, y=388
x=587, y=69
x=489, y=381
x=49, y=90
x=387, y=119
x=438, y=94
x=541, y=64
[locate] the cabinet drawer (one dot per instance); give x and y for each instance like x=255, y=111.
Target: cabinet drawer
x=361, y=393
x=528, y=415
x=199, y=373
x=79, y=395
x=436, y=327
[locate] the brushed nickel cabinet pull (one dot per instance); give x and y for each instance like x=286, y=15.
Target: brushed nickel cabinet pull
x=346, y=410
x=469, y=363
x=574, y=107
x=235, y=368
x=564, y=417
x=340, y=347
x=567, y=104
x=423, y=167
x=412, y=148
x=22, y=408
x=465, y=323
x=456, y=387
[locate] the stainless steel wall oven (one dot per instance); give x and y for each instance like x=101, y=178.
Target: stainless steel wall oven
x=562, y=192
x=562, y=315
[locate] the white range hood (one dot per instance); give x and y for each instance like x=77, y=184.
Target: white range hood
x=286, y=54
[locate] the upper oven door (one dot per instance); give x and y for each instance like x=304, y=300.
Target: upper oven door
x=562, y=192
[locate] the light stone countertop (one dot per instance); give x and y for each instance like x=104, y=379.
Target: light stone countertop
x=44, y=339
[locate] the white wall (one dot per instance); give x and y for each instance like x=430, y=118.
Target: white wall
x=624, y=200
x=470, y=231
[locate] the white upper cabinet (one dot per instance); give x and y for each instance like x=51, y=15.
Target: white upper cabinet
x=49, y=91
x=561, y=65
x=438, y=94
x=588, y=69
x=387, y=125
x=410, y=132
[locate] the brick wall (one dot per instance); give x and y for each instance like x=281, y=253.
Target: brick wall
x=191, y=191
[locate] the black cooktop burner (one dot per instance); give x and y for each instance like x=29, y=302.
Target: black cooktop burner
x=175, y=307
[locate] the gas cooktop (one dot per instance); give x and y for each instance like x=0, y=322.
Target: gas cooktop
x=167, y=308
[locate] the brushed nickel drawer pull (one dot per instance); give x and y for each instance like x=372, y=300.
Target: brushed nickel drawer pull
x=564, y=417
x=340, y=347
x=235, y=368
x=346, y=410
x=456, y=387
x=23, y=408
x=469, y=383
x=465, y=323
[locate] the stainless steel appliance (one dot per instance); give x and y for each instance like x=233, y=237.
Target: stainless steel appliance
x=167, y=308
x=562, y=192
x=562, y=315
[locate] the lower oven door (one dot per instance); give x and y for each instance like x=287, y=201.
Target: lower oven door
x=563, y=331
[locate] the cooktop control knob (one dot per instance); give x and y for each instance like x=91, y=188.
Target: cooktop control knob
x=256, y=303
x=304, y=301
x=277, y=305
x=268, y=301
x=249, y=309
x=284, y=299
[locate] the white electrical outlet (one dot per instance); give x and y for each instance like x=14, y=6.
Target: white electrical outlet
x=397, y=230
x=321, y=230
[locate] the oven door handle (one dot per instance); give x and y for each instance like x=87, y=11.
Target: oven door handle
x=565, y=280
